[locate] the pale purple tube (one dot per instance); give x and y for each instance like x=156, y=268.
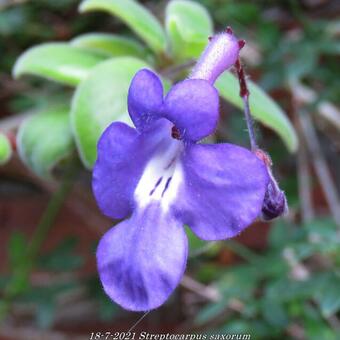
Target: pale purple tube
x=220, y=54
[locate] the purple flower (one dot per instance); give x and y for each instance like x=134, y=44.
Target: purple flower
x=159, y=178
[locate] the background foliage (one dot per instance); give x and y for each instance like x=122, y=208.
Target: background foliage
x=72, y=74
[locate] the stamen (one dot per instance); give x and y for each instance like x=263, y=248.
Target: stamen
x=229, y=30
x=175, y=133
x=241, y=43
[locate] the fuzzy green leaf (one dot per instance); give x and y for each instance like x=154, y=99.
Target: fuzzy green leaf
x=137, y=17
x=45, y=139
x=328, y=297
x=56, y=61
x=99, y=100
x=188, y=25
x=5, y=149
x=109, y=45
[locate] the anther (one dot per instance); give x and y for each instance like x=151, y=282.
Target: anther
x=210, y=38
x=241, y=43
x=229, y=30
x=175, y=133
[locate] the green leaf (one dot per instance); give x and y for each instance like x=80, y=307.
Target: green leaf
x=109, y=45
x=188, y=25
x=328, y=297
x=62, y=258
x=5, y=149
x=211, y=312
x=285, y=289
x=56, y=61
x=99, y=100
x=318, y=329
x=195, y=243
x=138, y=18
x=280, y=234
x=45, y=139
x=235, y=327
x=263, y=108
x=274, y=313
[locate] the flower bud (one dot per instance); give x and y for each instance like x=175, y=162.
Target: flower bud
x=220, y=54
x=275, y=202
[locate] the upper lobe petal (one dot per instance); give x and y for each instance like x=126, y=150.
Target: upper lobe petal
x=193, y=106
x=224, y=189
x=142, y=259
x=122, y=156
x=145, y=99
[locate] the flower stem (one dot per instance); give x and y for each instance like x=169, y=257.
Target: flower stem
x=244, y=94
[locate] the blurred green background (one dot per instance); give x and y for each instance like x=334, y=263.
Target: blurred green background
x=278, y=280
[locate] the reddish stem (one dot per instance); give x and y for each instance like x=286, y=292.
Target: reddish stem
x=244, y=94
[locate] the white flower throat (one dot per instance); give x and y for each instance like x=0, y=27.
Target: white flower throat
x=161, y=178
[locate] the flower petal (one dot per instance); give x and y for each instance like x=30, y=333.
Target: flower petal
x=224, y=190
x=142, y=259
x=145, y=99
x=122, y=156
x=192, y=105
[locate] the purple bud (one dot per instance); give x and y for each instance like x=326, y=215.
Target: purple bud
x=220, y=54
x=275, y=202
